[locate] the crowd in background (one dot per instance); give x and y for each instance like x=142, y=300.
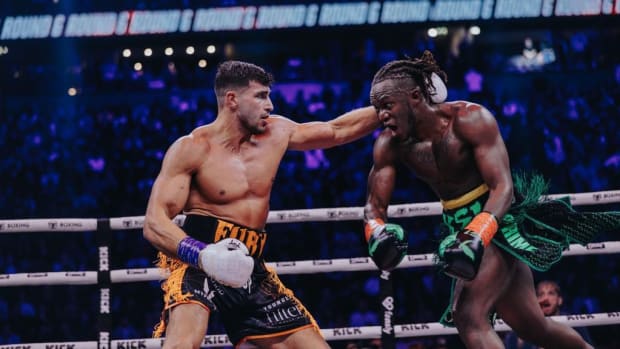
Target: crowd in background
x=97, y=155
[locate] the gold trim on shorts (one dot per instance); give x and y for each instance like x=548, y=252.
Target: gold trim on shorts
x=465, y=198
x=278, y=334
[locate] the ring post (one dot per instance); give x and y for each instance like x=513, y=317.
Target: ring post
x=386, y=292
x=102, y=236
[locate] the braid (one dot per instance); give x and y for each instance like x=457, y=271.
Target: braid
x=417, y=69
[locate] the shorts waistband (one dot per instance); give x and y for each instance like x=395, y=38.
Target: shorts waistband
x=465, y=198
x=211, y=229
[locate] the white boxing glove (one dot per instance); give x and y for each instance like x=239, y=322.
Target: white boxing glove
x=227, y=261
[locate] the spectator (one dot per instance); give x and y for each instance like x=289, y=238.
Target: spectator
x=550, y=300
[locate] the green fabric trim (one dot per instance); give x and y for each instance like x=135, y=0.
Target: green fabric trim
x=533, y=231
x=446, y=318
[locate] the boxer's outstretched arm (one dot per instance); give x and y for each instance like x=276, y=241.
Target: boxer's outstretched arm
x=343, y=129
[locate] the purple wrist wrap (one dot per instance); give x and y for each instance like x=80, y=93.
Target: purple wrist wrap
x=189, y=249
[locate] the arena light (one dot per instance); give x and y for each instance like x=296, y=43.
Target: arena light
x=71, y=91
x=202, y=63
x=189, y=50
x=443, y=31
x=211, y=49
x=432, y=32
x=126, y=53
x=148, y=52
x=137, y=66
x=474, y=30
x=168, y=51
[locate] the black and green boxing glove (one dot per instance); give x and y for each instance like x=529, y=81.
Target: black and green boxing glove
x=387, y=243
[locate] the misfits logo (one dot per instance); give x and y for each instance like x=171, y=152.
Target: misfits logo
x=359, y=260
x=342, y=214
x=11, y=226
x=286, y=264
x=293, y=216
x=63, y=225
x=297, y=215
x=418, y=257
x=388, y=306
x=595, y=246
x=401, y=211
x=611, y=195
x=408, y=210
x=133, y=223
x=36, y=275
x=579, y=317
x=605, y=196
x=75, y=273
x=322, y=262
x=136, y=271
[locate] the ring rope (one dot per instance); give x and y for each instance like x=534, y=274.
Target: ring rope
x=104, y=277
x=330, y=334
x=283, y=216
x=282, y=268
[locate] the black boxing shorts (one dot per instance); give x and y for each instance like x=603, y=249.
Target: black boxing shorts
x=263, y=308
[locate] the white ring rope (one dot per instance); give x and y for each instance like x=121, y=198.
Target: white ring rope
x=284, y=216
x=282, y=268
x=293, y=267
x=331, y=334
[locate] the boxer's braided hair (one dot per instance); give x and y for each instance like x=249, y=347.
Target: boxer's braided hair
x=417, y=69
